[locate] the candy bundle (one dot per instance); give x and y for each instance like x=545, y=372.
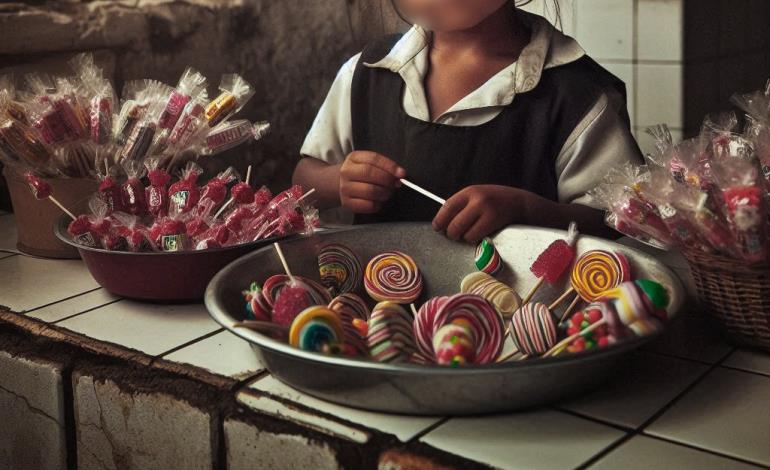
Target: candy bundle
x=461, y=329
x=67, y=126
x=126, y=215
x=709, y=193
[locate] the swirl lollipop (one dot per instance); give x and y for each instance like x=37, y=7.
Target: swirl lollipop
x=351, y=307
x=594, y=273
x=475, y=313
x=393, y=276
x=256, y=306
x=339, y=268
x=454, y=344
x=487, y=258
x=317, y=329
x=423, y=324
x=533, y=330
x=505, y=299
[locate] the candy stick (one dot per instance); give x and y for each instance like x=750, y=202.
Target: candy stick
x=566, y=341
x=595, y=272
x=230, y=201
x=562, y=298
x=414, y=309
x=64, y=209
x=553, y=261
x=423, y=191
x=569, y=308
x=283, y=262
x=311, y=191
x=42, y=190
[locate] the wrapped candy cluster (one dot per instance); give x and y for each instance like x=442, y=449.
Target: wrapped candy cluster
x=69, y=126
x=709, y=193
x=187, y=215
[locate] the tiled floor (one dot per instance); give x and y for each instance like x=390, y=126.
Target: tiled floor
x=7, y=233
x=687, y=400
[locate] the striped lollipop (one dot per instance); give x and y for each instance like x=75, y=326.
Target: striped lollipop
x=274, y=284
x=393, y=276
x=424, y=322
x=339, y=268
x=351, y=307
x=487, y=258
x=505, y=299
x=473, y=312
x=389, y=336
x=533, y=330
x=256, y=306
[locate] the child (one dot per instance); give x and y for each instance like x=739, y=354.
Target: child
x=480, y=103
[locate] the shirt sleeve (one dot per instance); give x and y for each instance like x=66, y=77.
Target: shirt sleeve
x=330, y=138
x=601, y=141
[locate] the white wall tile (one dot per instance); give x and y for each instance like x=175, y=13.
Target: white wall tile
x=605, y=28
x=659, y=95
x=660, y=26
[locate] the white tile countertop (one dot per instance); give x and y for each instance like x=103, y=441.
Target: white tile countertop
x=688, y=400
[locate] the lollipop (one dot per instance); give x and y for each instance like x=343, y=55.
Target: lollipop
x=487, y=258
x=551, y=264
x=424, y=322
x=454, y=344
x=389, y=333
x=42, y=190
x=339, y=268
x=351, y=307
x=317, y=329
x=256, y=306
x=594, y=273
x=293, y=299
x=238, y=194
x=633, y=308
x=156, y=194
x=393, y=276
x=533, y=330
x=505, y=299
x=473, y=312
x=185, y=193
x=276, y=283
x=582, y=320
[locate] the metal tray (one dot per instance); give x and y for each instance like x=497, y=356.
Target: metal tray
x=428, y=390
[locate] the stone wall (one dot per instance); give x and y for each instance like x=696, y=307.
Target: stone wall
x=289, y=49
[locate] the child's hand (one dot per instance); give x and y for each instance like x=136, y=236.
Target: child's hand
x=367, y=179
x=477, y=211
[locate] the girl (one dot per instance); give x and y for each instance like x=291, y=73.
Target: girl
x=480, y=103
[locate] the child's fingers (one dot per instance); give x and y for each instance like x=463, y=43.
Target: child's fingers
x=449, y=210
x=361, y=206
x=371, y=192
x=483, y=227
x=380, y=161
x=462, y=222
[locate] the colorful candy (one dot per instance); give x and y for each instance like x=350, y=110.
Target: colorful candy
x=454, y=345
x=598, y=271
x=389, y=333
x=533, y=329
x=339, y=268
x=317, y=329
x=351, y=307
x=275, y=284
x=505, y=299
x=597, y=338
x=293, y=299
x=393, y=276
x=487, y=258
x=554, y=260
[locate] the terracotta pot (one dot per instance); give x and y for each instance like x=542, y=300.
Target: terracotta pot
x=35, y=220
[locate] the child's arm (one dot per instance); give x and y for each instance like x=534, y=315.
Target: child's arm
x=359, y=184
x=479, y=210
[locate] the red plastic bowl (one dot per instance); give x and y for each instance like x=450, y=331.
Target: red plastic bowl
x=161, y=277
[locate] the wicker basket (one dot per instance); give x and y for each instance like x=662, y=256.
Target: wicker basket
x=738, y=296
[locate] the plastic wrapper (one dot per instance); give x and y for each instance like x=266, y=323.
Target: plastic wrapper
x=136, y=234
x=40, y=188
x=100, y=95
x=745, y=207
x=235, y=92
x=75, y=159
x=140, y=98
x=12, y=108
x=133, y=191
x=191, y=123
x=109, y=190
x=156, y=194
x=233, y=133
x=91, y=230
x=185, y=193
x=190, y=84
x=170, y=234
x=756, y=104
x=214, y=192
x=20, y=142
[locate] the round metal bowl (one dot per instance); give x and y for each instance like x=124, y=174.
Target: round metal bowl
x=428, y=390
x=160, y=277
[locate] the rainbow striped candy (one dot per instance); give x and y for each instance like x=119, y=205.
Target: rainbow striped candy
x=487, y=258
x=351, y=307
x=317, y=329
x=393, y=276
x=340, y=268
x=390, y=336
x=533, y=329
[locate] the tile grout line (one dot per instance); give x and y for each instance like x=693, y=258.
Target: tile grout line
x=703, y=449
x=752, y=372
x=593, y=419
x=429, y=429
x=188, y=343
x=91, y=309
x=641, y=428
x=24, y=312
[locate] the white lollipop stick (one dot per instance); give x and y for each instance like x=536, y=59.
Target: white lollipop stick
x=423, y=191
x=283, y=261
x=230, y=201
x=64, y=209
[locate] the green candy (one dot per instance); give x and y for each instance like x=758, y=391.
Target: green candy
x=657, y=293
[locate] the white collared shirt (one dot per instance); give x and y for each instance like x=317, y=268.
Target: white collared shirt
x=599, y=142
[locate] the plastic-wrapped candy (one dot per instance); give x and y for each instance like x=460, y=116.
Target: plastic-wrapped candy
x=109, y=190
x=215, y=190
x=140, y=97
x=156, y=194
x=191, y=83
x=185, y=193
x=90, y=230
x=137, y=236
x=235, y=92
x=12, y=108
x=133, y=191
x=100, y=94
x=19, y=141
x=74, y=159
x=190, y=123
x=170, y=234
x=143, y=132
x=230, y=134
x=745, y=207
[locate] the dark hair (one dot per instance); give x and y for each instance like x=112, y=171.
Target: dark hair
x=517, y=3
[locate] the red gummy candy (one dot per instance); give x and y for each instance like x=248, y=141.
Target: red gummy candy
x=594, y=315
x=290, y=302
x=262, y=197
x=79, y=226
x=110, y=194
x=215, y=190
x=578, y=318
x=172, y=227
x=242, y=193
x=196, y=227
x=40, y=189
x=554, y=261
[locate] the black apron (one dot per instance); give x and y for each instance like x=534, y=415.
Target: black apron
x=516, y=148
